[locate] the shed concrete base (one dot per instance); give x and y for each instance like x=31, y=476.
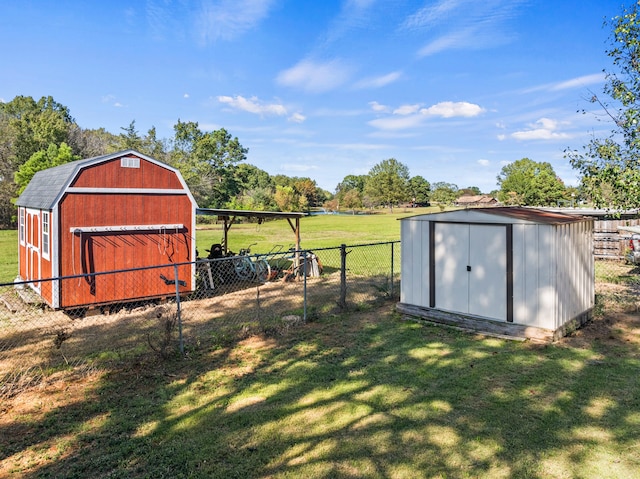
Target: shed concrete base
x=489, y=327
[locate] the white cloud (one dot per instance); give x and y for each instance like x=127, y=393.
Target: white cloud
x=397, y=122
x=379, y=81
x=478, y=24
x=543, y=129
x=253, y=105
x=353, y=15
x=186, y=95
x=406, y=109
x=454, y=40
x=111, y=99
x=228, y=19
x=580, y=82
x=412, y=115
x=375, y=106
x=431, y=14
x=315, y=77
x=449, y=109
x=297, y=118
x=484, y=162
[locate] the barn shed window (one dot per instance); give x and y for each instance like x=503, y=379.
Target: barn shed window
x=129, y=162
x=45, y=234
x=22, y=220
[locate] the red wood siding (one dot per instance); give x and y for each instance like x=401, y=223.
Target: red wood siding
x=111, y=175
x=90, y=253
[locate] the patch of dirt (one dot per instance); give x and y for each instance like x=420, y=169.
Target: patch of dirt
x=615, y=328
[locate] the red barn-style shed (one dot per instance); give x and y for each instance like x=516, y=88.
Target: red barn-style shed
x=114, y=212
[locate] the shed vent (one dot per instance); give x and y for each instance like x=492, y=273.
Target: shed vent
x=129, y=162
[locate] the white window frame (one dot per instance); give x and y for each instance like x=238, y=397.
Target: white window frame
x=22, y=218
x=45, y=242
x=129, y=162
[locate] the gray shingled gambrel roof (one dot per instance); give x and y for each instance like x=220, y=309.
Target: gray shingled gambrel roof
x=47, y=186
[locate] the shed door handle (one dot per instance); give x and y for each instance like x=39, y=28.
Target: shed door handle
x=468, y=268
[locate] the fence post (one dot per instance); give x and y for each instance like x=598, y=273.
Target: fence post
x=342, y=302
x=391, y=282
x=304, y=289
x=178, y=312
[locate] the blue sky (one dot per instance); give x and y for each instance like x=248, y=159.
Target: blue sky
x=454, y=89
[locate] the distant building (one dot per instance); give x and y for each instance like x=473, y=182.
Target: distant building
x=476, y=200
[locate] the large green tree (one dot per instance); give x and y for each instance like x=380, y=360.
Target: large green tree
x=87, y=143
x=26, y=127
x=250, y=177
x=148, y=144
x=530, y=183
x=610, y=167
x=420, y=190
x=34, y=125
x=206, y=161
x=54, y=155
x=349, y=193
x=443, y=193
x=388, y=183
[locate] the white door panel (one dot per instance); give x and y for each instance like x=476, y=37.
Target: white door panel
x=488, y=282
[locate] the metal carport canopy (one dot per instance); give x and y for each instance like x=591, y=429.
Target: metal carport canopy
x=229, y=217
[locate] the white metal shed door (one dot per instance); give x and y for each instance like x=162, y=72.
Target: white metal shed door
x=471, y=269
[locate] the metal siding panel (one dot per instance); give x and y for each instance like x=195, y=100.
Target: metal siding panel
x=547, y=288
x=587, y=249
x=410, y=244
x=538, y=270
x=579, y=271
x=406, y=243
x=562, y=277
x=519, y=274
x=530, y=312
x=423, y=273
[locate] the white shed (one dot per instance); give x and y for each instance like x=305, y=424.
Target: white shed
x=510, y=271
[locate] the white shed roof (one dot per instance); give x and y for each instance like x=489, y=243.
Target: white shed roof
x=503, y=215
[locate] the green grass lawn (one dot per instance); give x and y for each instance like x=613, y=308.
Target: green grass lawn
x=366, y=395
x=8, y=255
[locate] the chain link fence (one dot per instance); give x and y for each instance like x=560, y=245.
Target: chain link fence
x=617, y=286
x=231, y=298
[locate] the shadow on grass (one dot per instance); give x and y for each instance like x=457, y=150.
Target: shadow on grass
x=365, y=395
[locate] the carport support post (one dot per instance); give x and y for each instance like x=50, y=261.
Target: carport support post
x=178, y=315
x=342, y=302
